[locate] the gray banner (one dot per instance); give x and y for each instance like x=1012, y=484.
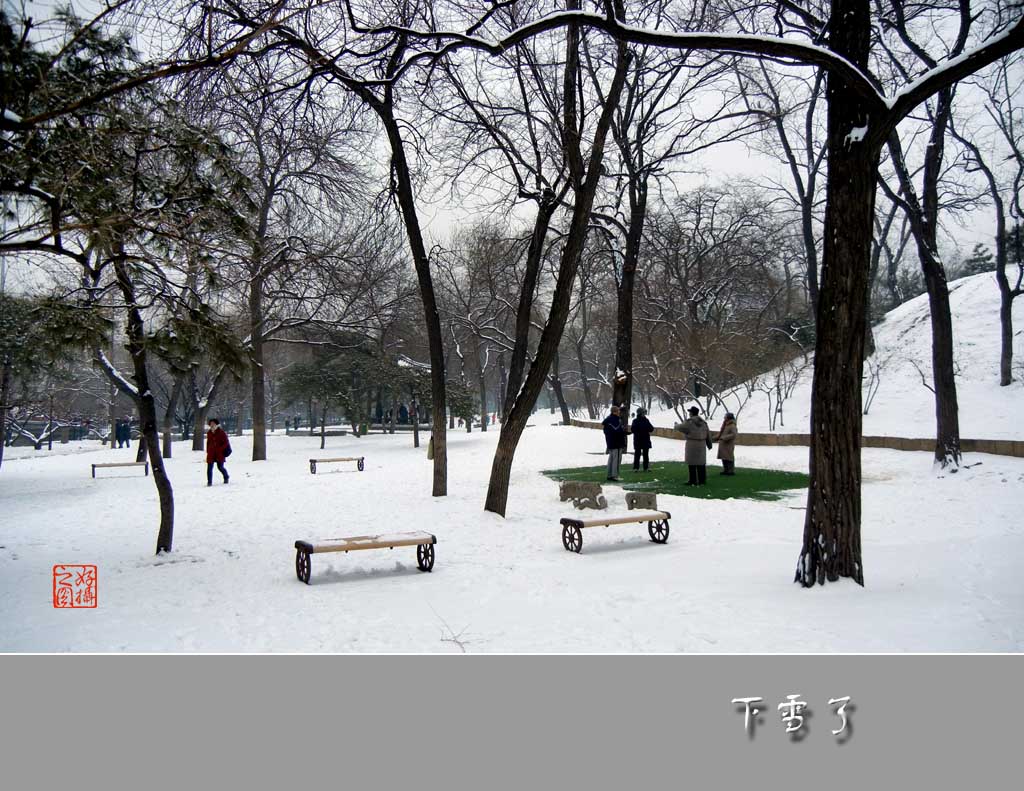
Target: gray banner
x=507, y=722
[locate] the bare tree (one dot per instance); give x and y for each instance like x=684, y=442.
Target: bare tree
x=1003, y=172
x=666, y=116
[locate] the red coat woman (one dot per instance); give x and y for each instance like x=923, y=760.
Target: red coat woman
x=218, y=447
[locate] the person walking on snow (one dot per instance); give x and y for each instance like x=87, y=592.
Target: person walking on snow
x=615, y=441
x=218, y=448
x=698, y=441
x=727, y=444
x=641, y=429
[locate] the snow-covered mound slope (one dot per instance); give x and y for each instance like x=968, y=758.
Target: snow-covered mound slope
x=903, y=406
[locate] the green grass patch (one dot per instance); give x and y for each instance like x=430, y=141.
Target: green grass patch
x=670, y=477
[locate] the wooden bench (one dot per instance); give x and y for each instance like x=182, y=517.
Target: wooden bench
x=144, y=464
x=657, y=527
x=359, y=460
x=424, y=543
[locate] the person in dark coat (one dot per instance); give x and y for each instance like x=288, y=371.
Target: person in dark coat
x=727, y=444
x=641, y=430
x=218, y=448
x=697, y=439
x=615, y=441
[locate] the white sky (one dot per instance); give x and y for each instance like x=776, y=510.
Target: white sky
x=440, y=213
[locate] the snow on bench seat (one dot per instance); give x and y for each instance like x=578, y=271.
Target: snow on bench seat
x=424, y=543
x=572, y=527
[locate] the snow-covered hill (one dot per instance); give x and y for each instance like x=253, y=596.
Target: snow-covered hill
x=903, y=405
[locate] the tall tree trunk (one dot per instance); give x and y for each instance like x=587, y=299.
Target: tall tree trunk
x=585, y=381
x=524, y=311
x=947, y=410
x=1006, y=338
x=502, y=384
x=257, y=374
x=482, y=385
x=172, y=403
x=199, y=428
x=5, y=394
x=435, y=339
x=584, y=179
x=323, y=428
x=140, y=448
x=1007, y=293
x=622, y=382
x=112, y=415
x=831, y=544
x=923, y=215
x=811, y=249
x=146, y=405
x=556, y=385
x=49, y=426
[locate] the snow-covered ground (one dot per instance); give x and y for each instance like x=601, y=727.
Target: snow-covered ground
x=903, y=406
x=942, y=555
x=20, y=452
x=942, y=558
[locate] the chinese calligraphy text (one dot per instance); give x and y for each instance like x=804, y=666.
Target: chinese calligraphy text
x=74, y=586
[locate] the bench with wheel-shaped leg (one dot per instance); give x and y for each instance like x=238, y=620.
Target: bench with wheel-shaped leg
x=359, y=460
x=572, y=528
x=424, y=543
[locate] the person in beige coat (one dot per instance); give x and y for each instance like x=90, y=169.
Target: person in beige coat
x=698, y=440
x=727, y=444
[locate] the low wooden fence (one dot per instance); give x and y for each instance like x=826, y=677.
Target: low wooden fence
x=1000, y=447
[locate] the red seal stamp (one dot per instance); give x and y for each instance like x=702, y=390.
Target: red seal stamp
x=74, y=586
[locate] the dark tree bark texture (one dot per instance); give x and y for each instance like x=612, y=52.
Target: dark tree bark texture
x=622, y=382
x=831, y=543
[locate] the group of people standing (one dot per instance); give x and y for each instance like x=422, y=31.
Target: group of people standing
x=123, y=433
x=698, y=442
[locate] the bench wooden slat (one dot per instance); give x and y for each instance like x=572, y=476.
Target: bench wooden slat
x=359, y=460
x=351, y=543
x=101, y=465
x=424, y=543
x=636, y=516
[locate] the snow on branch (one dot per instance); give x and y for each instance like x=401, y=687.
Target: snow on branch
x=115, y=376
x=896, y=108
x=956, y=69
x=735, y=43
